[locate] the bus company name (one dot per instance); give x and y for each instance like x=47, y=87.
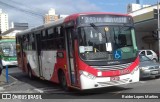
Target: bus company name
x=126, y=71
x=108, y=19
x=121, y=72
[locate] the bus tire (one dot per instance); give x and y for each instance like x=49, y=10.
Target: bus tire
x=62, y=80
x=30, y=75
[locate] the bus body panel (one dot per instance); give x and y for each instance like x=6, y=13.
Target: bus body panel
x=9, y=63
x=32, y=62
x=49, y=60
x=49, y=63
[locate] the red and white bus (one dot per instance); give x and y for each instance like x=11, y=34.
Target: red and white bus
x=83, y=51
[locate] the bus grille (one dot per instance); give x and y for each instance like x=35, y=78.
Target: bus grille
x=113, y=67
x=111, y=83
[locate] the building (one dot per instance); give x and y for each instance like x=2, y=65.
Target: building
x=51, y=16
x=146, y=24
x=15, y=28
x=3, y=21
x=19, y=25
x=62, y=16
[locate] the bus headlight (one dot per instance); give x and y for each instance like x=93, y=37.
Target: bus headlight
x=86, y=74
x=135, y=69
x=144, y=68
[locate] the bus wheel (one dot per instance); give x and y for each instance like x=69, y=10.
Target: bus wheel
x=30, y=73
x=62, y=80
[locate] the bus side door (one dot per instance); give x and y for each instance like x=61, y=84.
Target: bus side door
x=38, y=50
x=71, y=56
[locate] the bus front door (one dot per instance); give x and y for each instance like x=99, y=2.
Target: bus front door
x=71, y=56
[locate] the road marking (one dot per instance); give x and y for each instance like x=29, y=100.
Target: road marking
x=117, y=93
x=39, y=90
x=158, y=79
x=49, y=89
x=142, y=81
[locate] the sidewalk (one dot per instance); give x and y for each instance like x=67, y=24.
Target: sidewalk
x=2, y=80
x=4, y=83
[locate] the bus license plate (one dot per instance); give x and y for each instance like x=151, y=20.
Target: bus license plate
x=115, y=78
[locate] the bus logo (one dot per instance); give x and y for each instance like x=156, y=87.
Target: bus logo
x=6, y=96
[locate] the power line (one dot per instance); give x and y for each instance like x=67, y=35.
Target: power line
x=27, y=7
x=22, y=10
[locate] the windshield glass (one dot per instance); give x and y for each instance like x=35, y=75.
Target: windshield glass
x=143, y=58
x=8, y=48
x=106, y=43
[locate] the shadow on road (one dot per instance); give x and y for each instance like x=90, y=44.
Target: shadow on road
x=149, y=79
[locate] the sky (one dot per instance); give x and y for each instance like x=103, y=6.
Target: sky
x=17, y=10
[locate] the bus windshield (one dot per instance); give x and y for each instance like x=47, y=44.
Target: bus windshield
x=106, y=42
x=8, y=48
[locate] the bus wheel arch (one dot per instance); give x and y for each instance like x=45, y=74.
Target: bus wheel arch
x=62, y=79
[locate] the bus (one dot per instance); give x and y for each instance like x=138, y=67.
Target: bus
x=82, y=51
x=7, y=51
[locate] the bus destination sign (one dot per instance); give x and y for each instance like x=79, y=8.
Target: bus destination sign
x=104, y=18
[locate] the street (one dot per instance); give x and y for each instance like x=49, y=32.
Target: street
x=24, y=85
x=54, y=92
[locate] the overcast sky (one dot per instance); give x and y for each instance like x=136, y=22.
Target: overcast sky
x=41, y=7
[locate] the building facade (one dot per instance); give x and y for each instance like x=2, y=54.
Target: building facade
x=51, y=16
x=145, y=21
x=3, y=21
x=15, y=28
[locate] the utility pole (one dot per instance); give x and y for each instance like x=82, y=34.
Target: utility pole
x=158, y=29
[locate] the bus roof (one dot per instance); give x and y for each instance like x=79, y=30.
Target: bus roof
x=74, y=16
x=66, y=19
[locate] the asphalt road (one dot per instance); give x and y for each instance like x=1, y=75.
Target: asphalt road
x=26, y=85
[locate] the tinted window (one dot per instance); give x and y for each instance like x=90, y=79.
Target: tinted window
x=149, y=53
x=143, y=53
x=144, y=58
x=50, y=33
x=43, y=40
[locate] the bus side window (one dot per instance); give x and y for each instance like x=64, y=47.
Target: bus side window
x=50, y=32
x=32, y=42
x=50, y=43
x=25, y=42
x=44, y=40
x=29, y=42
x=61, y=41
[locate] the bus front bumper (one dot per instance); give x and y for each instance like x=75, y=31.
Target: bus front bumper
x=5, y=63
x=100, y=82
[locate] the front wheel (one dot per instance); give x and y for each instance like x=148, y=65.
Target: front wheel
x=154, y=60
x=63, y=81
x=30, y=75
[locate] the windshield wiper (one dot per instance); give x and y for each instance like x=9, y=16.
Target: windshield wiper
x=98, y=31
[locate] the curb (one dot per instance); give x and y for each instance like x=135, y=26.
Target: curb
x=5, y=85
